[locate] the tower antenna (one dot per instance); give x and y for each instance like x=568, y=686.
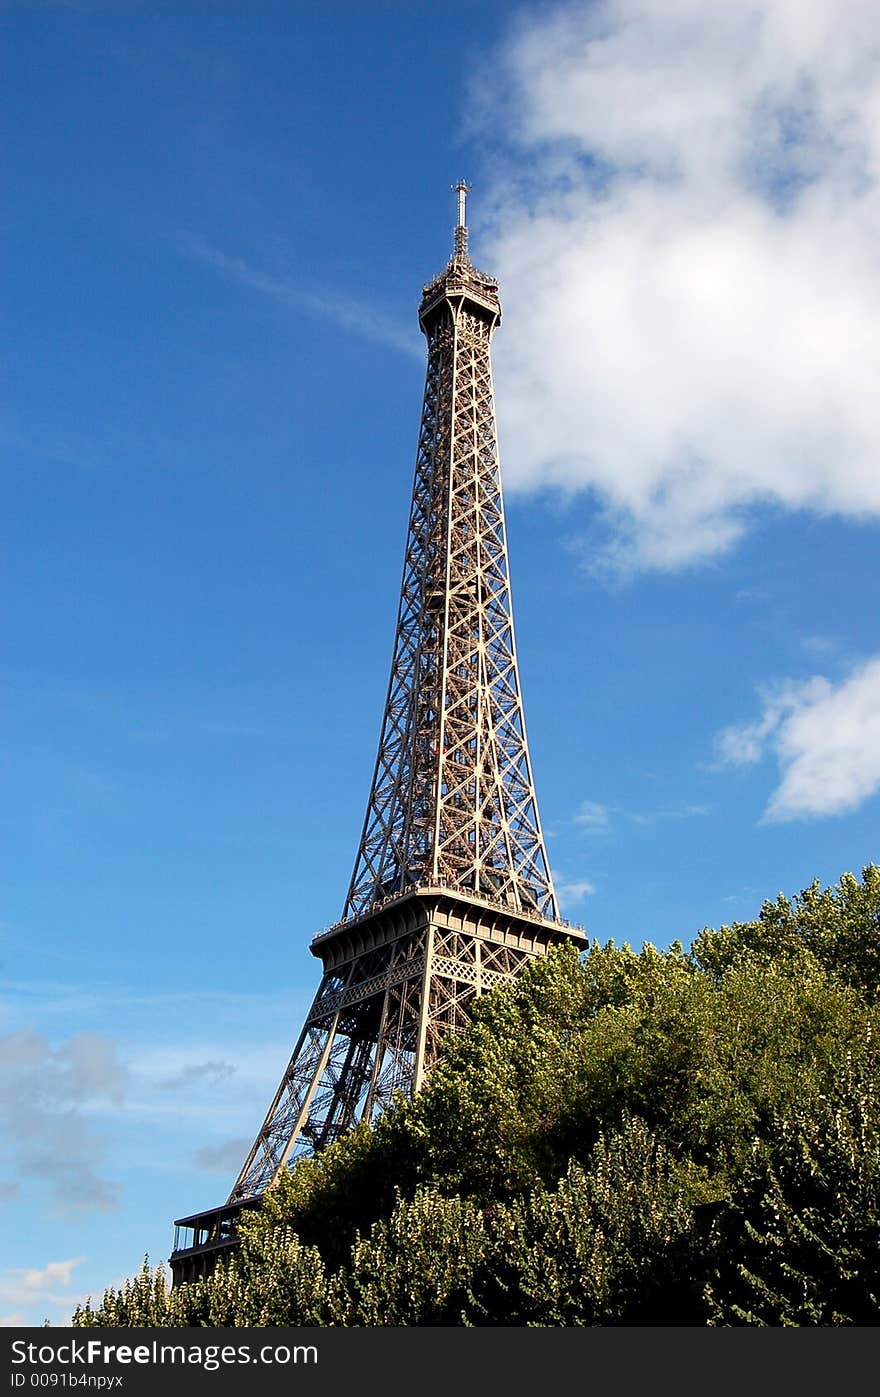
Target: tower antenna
x=462, y=189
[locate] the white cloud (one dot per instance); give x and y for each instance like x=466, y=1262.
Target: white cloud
x=33, y=1287
x=592, y=816
x=684, y=223
x=571, y=891
x=673, y=812
x=210, y=1073
x=56, y=1273
x=227, y=1157
x=46, y=1095
x=826, y=740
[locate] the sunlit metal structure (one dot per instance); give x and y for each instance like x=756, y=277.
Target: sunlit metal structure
x=451, y=890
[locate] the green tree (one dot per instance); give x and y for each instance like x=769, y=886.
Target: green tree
x=623, y=1137
x=799, y=1243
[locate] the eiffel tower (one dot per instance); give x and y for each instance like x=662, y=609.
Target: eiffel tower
x=451, y=891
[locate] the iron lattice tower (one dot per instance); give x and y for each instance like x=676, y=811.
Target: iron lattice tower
x=451, y=890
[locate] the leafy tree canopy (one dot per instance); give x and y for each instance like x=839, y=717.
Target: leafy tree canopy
x=623, y=1137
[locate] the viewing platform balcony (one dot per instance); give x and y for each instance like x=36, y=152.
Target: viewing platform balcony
x=203, y=1237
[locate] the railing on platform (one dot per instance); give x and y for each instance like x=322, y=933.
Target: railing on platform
x=202, y=1237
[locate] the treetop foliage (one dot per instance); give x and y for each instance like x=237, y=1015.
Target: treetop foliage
x=622, y=1137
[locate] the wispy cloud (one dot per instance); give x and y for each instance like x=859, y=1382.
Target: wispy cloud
x=30, y=1287
x=571, y=891
x=208, y=1073
x=821, y=647
x=592, y=817
x=59, y=999
x=826, y=741
x=685, y=230
x=225, y=1158
x=100, y=449
x=671, y=812
x=45, y=1094
x=349, y=312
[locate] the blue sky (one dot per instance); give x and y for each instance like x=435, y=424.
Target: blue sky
x=217, y=222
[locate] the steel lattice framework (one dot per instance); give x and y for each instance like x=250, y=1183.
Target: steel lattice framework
x=451, y=890
x=452, y=799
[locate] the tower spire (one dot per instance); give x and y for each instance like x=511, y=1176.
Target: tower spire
x=461, y=233
x=451, y=890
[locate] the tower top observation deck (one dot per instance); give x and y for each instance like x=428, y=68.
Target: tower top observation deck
x=460, y=278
